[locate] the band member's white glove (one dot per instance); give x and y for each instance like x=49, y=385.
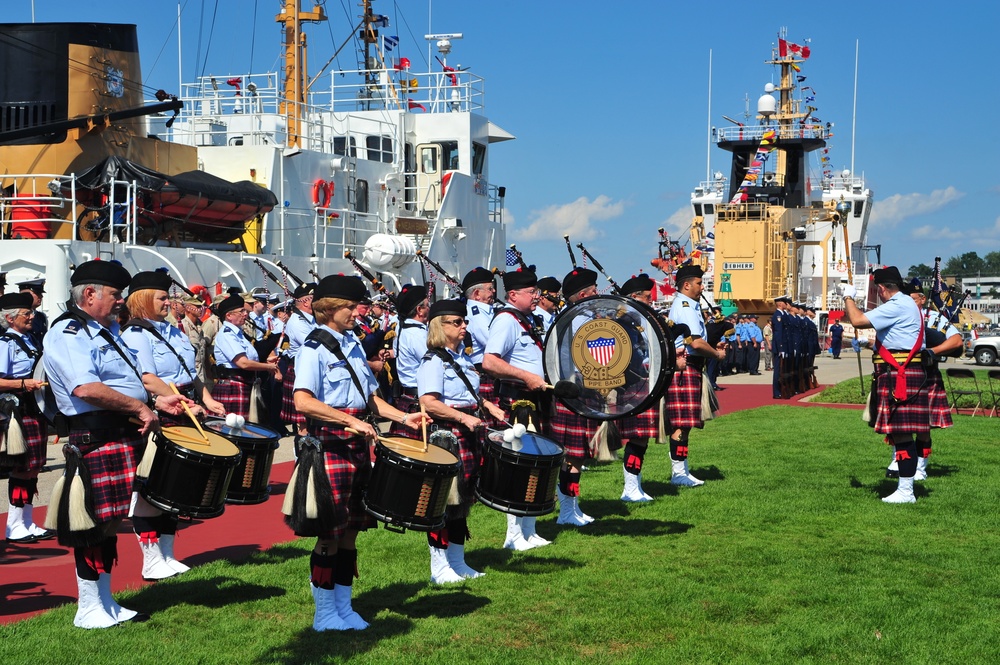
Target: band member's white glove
x=850, y=291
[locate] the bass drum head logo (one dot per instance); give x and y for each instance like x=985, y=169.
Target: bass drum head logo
x=602, y=351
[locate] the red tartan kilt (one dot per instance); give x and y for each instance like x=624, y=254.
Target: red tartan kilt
x=470, y=450
x=937, y=400
x=288, y=413
x=910, y=418
x=36, y=438
x=641, y=426
x=572, y=432
x=112, y=472
x=683, y=399
x=349, y=468
x=233, y=395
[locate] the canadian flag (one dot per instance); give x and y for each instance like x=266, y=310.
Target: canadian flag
x=786, y=47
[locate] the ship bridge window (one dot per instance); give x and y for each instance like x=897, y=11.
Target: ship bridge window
x=361, y=196
x=340, y=146
x=859, y=207
x=449, y=155
x=697, y=210
x=428, y=160
x=709, y=208
x=379, y=148
x=478, y=158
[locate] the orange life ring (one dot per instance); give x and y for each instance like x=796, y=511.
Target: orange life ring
x=322, y=193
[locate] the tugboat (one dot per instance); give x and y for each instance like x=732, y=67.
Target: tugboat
x=381, y=164
x=773, y=226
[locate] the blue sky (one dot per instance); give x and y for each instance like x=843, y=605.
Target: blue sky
x=609, y=103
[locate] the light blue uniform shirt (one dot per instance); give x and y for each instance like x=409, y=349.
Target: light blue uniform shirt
x=262, y=323
x=897, y=323
x=319, y=371
x=687, y=311
x=480, y=315
x=277, y=325
x=756, y=335
x=231, y=343
x=14, y=362
x=514, y=345
x=297, y=329
x=75, y=355
x=436, y=376
x=411, y=345
x=546, y=318
x=156, y=356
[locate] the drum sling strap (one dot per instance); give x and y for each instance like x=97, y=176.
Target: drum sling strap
x=146, y=325
x=333, y=346
x=524, y=322
x=446, y=357
x=36, y=356
x=105, y=334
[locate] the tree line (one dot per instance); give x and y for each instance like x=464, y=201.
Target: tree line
x=969, y=264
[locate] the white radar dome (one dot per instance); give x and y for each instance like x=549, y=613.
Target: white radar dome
x=767, y=105
x=769, y=88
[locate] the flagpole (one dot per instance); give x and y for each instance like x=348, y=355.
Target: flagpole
x=854, y=111
x=708, y=138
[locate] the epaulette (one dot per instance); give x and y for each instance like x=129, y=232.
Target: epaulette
x=312, y=343
x=685, y=304
x=475, y=309
x=73, y=327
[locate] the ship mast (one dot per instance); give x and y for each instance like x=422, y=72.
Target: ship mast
x=295, y=65
x=788, y=108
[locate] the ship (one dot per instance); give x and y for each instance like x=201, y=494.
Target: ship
x=773, y=225
x=378, y=169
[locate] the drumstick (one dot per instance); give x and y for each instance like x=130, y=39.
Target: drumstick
x=423, y=424
x=398, y=441
x=187, y=409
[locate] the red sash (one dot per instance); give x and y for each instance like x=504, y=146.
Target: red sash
x=899, y=391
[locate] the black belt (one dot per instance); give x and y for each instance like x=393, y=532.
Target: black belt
x=409, y=392
x=241, y=375
x=100, y=420
x=187, y=390
x=698, y=362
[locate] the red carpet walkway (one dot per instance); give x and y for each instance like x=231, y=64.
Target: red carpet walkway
x=40, y=576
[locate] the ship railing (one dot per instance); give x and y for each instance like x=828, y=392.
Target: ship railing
x=717, y=186
x=338, y=229
x=756, y=132
x=349, y=90
x=32, y=205
x=738, y=212
x=850, y=183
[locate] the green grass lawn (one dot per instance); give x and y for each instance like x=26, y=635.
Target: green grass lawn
x=785, y=555
x=849, y=391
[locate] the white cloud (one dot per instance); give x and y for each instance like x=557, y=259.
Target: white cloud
x=888, y=212
x=577, y=219
x=932, y=232
x=678, y=224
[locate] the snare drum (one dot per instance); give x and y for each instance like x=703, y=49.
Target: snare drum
x=250, y=478
x=409, y=487
x=520, y=480
x=189, y=476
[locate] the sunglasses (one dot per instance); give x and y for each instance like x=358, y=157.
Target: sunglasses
x=458, y=323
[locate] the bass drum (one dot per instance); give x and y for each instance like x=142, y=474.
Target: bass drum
x=616, y=350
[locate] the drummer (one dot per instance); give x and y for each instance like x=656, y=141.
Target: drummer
x=448, y=385
x=236, y=360
x=168, y=353
x=335, y=389
x=99, y=385
x=683, y=406
x=411, y=345
x=514, y=357
x=18, y=357
x=637, y=429
x=300, y=323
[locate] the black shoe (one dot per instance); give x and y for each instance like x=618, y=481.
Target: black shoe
x=23, y=541
x=891, y=474
x=719, y=388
